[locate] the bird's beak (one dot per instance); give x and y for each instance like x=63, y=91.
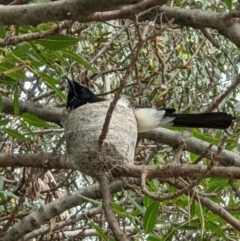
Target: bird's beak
x=70, y=83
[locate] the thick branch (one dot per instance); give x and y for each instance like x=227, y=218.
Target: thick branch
x=177, y=170
x=126, y=12
x=60, y=225
x=38, y=160
x=229, y=28
x=173, y=139
x=85, y=10
x=195, y=18
x=49, y=161
x=34, y=14
x=48, y=211
x=45, y=112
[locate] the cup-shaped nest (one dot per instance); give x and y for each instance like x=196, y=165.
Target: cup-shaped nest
x=83, y=127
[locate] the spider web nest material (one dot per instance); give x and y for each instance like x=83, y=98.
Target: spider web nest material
x=83, y=127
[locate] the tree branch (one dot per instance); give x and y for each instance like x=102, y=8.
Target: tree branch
x=47, y=113
x=49, y=161
x=108, y=210
x=34, y=14
x=126, y=12
x=48, y=211
x=173, y=139
x=85, y=10
x=203, y=19
x=71, y=221
x=13, y=40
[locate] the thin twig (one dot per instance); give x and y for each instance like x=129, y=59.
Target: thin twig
x=186, y=187
x=126, y=11
x=234, y=188
x=224, y=95
x=106, y=202
x=110, y=42
x=123, y=82
x=14, y=213
x=215, y=208
x=203, y=155
x=210, y=38
x=33, y=36
x=187, y=62
x=178, y=152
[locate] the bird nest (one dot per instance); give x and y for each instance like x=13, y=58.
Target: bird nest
x=83, y=127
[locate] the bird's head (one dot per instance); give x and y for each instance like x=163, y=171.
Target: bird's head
x=79, y=95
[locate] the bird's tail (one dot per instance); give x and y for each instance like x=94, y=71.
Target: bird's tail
x=216, y=120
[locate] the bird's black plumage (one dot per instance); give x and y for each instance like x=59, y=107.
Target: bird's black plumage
x=149, y=118
x=79, y=95
x=214, y=120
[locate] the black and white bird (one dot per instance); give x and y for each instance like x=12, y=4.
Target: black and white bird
x=150, y=118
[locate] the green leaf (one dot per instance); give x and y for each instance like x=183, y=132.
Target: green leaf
x=2, y=32
x=192, y=208
x=152, y=95
x=98, y=229
x=214, y=227
x=153, y=185
x=119, y=210
x=59, y=57
x=140, y=208
x=188, y=227
x=153, y=237
x=1, y=104
x=147, y=201
x=77, y=58
x=4, y=121
x=193, y=157
x=229, y=4
x=10, y=194
x=57, y=42
x=8, y=81
x=12, y=70
x=51, y=82
x=28, y=51
x=1, y=183
x=216, y=185
x=34, y=120
x=150, y=217
x=135, y=212
x=16, y=101
x=15, y=134
x=50, y=79
x=93, y=201
x=43, y=1
x=231, y=147
x=36, y=55
x=204, y=137
x=24, y=125
x=16, y=30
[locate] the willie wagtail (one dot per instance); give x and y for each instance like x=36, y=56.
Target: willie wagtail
x=150, y=118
